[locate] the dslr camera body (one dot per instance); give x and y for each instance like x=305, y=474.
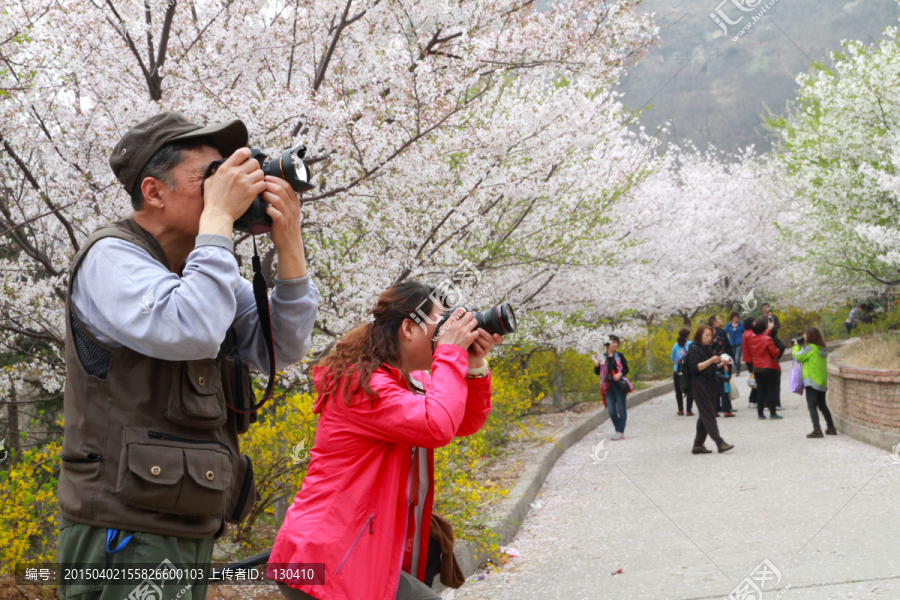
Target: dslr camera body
x=289, y=166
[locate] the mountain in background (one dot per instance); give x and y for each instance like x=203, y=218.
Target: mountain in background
x=715, y=90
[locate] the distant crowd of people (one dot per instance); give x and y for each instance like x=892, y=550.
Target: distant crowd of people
x=704, y=367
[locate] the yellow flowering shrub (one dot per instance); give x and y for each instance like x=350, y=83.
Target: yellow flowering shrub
x=278, y=445
x=28, y=521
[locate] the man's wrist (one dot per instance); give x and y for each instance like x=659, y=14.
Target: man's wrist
x=215, y=222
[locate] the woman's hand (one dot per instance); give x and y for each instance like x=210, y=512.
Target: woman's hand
x=459, y=330
x=617, y=376
x=481, y=346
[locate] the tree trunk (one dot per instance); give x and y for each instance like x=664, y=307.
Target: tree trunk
x=13, y=440
x=280, y=509
x=557, y=394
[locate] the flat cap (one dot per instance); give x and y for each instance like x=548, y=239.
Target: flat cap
x=142, y=141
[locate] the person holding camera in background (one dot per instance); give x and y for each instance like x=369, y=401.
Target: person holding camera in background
x=813, y=356
x=363, y=512
x=700, y=363
x=614, y=386
x=766, y=369
x=722, y=347
x=772, y=317
x=161, y=331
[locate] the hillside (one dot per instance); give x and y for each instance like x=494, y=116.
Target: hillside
x=721, y=94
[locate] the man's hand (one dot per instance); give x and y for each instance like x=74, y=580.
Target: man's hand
x=229, y=191
x=481, y=346
x=284, y=208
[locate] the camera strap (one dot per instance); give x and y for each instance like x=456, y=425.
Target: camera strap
x=261, y=297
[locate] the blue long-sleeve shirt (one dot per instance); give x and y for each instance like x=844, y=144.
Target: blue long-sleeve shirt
x=735, y=334
x=677, y=353
x=125, y=297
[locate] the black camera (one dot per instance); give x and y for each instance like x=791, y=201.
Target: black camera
x=797, y=340
x=289, y=166
x=498, y=319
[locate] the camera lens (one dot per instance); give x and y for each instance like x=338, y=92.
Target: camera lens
x=498, y=319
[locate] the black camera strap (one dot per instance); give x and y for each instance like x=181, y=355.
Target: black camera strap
x=261, y=296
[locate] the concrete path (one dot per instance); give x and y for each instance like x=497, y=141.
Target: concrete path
x=823, y=512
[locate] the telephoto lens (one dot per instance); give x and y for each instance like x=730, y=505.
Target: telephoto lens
x=498, y=319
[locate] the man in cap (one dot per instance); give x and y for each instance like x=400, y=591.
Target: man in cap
x=161, y=333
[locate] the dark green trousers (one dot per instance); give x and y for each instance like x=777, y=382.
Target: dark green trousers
x=85, y=544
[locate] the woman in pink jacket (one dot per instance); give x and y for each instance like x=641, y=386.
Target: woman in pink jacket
x=358, y=528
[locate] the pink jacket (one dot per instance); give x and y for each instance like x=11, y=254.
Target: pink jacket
x=351, y=514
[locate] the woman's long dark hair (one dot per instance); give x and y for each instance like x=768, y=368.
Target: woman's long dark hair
x=683, y=336
x=814, y=336
x=362, y=350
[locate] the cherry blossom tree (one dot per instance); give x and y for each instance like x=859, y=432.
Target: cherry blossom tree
x=841, y=151
x=438, y=131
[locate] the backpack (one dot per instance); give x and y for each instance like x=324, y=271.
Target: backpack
x=684, y=375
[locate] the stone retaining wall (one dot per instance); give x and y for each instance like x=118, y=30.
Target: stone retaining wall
x=865, y=402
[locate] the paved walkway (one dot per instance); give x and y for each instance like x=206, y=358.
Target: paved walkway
x=823, y=512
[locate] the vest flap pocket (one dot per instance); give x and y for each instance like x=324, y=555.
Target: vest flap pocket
x=198, y=399
x=156, y=464
x=209, y=469
x=205, y=488
x=203, y=376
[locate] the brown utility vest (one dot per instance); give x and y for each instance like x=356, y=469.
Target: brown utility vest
x=149, y=444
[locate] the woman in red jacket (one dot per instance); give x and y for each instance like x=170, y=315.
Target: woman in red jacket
x=358, y=528
x=748, y=357
x=766, y=370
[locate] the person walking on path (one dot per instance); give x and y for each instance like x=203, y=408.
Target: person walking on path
x=678, y=352
x=612, y=370
x=766, y=369
x=735, y=332
x=721, y=346
x=813, y=358
x=700, y=364
x=748, y=358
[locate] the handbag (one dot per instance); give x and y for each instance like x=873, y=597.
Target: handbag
x=622, y=384
x=751, y=381
x=797, y=378
x=733, y=393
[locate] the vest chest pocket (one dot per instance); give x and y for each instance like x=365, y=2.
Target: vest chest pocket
x=197, y=400
x=171, y=479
